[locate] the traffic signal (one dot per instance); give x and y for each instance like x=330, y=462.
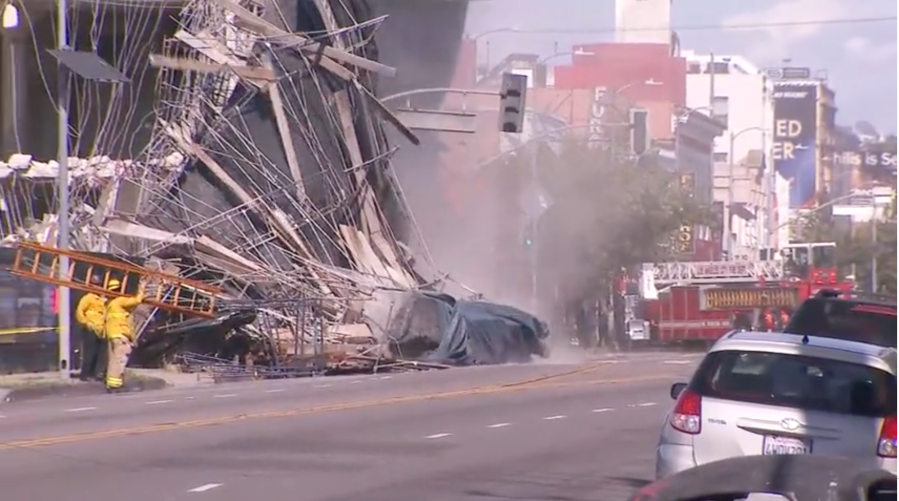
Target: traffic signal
x=639, y=132
x=512, y=103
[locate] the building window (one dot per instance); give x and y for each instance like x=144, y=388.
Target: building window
x=694, y=69
x=719, y=108
x=719, y=157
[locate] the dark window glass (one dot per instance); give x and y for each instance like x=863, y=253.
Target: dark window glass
x=824, y=257
x=801, y=382
x=845, y=320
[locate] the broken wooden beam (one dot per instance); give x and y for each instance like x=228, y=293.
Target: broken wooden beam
x=251, y=73
x=290, y=153
x=251, y=21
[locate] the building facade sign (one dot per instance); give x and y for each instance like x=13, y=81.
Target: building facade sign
x=597, y=135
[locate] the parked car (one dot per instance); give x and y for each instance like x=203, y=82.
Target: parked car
x=869, y=318
x=763, y=393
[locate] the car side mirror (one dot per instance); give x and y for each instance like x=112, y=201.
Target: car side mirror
x=677, y=389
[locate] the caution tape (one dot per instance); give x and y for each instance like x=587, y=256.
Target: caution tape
x=26, y=330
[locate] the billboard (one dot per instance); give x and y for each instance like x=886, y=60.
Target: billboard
x=795, y=132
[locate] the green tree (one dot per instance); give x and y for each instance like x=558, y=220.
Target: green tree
x=607, y=213
x=858, y=246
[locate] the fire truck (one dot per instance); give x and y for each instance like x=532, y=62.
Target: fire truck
x=701, y=301
x=813, y=262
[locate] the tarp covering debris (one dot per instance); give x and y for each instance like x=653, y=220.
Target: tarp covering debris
x=438, y=328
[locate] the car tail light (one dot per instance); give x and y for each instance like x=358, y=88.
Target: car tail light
x=886, y=445
x=687, y=414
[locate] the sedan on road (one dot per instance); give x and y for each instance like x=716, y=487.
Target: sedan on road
x=770, y=394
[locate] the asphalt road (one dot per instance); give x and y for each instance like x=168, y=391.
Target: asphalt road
x=524, y=432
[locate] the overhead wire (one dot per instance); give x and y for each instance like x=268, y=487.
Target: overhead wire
x=698, y=27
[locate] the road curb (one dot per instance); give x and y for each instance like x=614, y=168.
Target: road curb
x=65, y=390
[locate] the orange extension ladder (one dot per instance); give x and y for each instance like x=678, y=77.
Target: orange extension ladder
x=171, y=292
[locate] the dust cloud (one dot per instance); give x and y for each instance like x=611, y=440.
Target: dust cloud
x=475, y=235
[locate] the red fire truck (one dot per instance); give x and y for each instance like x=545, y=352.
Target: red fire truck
x=815, y=263
x=701, y=301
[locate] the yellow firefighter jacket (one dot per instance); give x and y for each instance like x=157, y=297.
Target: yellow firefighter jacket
x=118, y=316
x=90, y=313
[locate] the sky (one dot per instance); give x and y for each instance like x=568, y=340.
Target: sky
x=859, y=58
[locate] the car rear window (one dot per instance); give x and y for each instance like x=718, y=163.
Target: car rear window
x=868, y=323
x=802, y=382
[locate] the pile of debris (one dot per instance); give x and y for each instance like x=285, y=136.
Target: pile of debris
x=268, y=175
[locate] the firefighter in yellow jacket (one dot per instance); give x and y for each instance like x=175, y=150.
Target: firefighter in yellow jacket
x=119, y=334
x=90, y=313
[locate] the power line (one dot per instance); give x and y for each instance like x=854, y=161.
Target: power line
x=707, y=27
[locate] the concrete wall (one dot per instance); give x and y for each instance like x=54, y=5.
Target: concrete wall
x=749, y=105
x=643, y=21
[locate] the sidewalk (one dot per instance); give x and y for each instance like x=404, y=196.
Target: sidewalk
x=41, y=385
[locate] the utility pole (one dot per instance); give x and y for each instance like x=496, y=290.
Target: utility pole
x=89, y=67
x=62, y=186
x=874, y=284
x=728, y=247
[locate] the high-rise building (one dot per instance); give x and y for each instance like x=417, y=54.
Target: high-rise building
x=643, y=21
x=737, y=94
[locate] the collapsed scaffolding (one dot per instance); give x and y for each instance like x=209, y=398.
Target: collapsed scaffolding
x=267, y=180
x=267, y=173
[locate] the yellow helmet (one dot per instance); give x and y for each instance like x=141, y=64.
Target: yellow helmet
x=113, y=284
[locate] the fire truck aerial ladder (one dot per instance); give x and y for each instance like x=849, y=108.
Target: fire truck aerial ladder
x=699, y=301
x=710, y=272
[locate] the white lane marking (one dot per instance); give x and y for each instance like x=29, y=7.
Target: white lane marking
x=157, y=402
x=204, y=488
x=2, y=417
x=356, y=381
x=551, y=418
x=189, y=398
x=225, y=395
x=322, y=386
x=499, y=425
x=385, y=377
x=641, y=404
x=438, y=435
x=677, y=362
x=603, y=409
x=81, y=409
x=275, y=390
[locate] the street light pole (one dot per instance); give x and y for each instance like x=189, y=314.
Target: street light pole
x=62, y=185
x=731, y=166
x=728, y=246
x=874, y=284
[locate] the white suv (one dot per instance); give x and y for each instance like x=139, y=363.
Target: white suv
x=771, y=393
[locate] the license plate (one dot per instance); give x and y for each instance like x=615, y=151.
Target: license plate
x=772, y=445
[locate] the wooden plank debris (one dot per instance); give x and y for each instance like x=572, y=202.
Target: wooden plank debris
x=327, y=55
x=252, y=73
x=274, y=93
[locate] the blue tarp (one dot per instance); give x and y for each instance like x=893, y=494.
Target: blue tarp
x=460, y=332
